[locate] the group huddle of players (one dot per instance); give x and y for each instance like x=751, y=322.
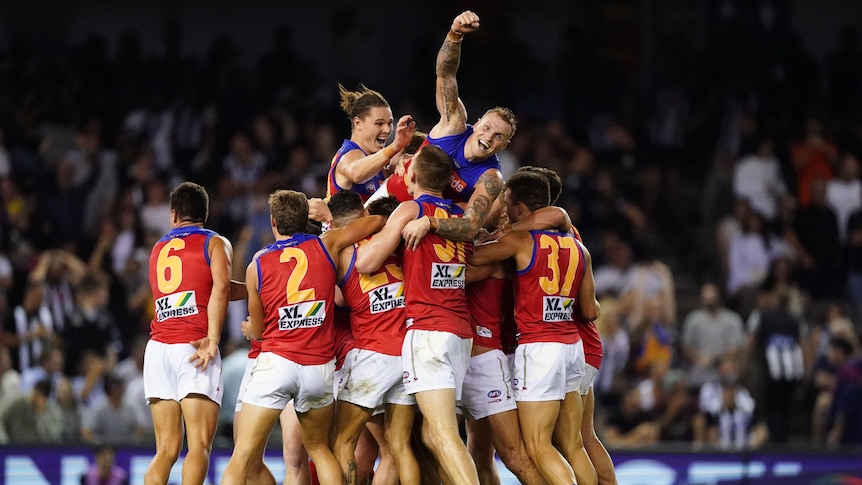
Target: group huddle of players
x=437, y=287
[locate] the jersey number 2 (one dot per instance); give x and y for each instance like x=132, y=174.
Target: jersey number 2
x=294, y=294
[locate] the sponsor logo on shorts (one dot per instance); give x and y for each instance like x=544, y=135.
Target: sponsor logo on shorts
x=558, y=308
x=178, y=305
x=406, y=377
x=484, y=332
x=387, y=297
x=447, y=276
x=495, y=393
x=307, y=314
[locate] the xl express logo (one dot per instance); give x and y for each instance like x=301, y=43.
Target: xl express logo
x=177, y=305
x=558, y=308
x=447, y=276
x=307, y=314
x=386, y=297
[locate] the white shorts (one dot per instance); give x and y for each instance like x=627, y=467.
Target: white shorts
x=244, y=382
x=590, y=373
x=488, y=385
x=275, y=381
x=547, y=371
x=434, y=360
x=371, y=379
x=168, y=374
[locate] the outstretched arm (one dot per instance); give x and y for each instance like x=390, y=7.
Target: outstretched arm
x=356, y=168
x=371, y=255
x=453, y=115
x=465, y=228
x=506, y=247
x=339, y=238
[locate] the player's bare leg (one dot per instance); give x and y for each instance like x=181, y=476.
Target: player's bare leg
x=350, y=422
x=257, y=423
x=567, y=438
x=296, y=470
x=315, y=428
x=507, y=440
x=366, y=453
x=168, y=425
x=440, y=433
x=537, y=426
x=595, y=449
x=398, y=428
x=200, y=414
x=482, y=450
x=387, y=469
x=258, y=473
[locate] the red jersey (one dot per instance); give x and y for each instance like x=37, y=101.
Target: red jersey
x=376, y=306
x=546, y=291
x=343, y=335
x=298, y=304
x=508, y=330
x=254, y=351
x=435, y=298
x=592, y=343
x=485, y=299
x=181, y=281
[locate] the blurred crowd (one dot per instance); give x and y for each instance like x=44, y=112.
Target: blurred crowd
x=723, y=207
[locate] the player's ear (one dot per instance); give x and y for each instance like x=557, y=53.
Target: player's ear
x=356, y=121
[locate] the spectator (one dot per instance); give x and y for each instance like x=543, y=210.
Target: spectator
x=749, y=257
x=728, y=416
x=631, y=427
x=846, y=412
x=50, y=368
x=91, y=327
x=708, y=334
x=776, y=338
x=156, y=209
x=825, y=378
x=70, y=408
x=853, y=262
x=33, y=419
x=58, y=271
x=112, y=421
x=815, y=240
x=757, y=178
x=33, y=329
x=813, y=158
x=611, y=380
x=844, y=193
x=104, y=471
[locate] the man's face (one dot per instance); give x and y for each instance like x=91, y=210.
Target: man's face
x=491, y=135
x=375, y=127
x=513, y=210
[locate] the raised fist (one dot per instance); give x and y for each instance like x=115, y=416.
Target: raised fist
x=465, y=23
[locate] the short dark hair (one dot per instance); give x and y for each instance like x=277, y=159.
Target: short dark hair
x=345, y=204
x=191, y=202
x=383, y=206
x=43, y=387
x=416, y=141
x=432, y=167
x=529, y=188
x=289, y=208
x=841, y=344
x=555, y=184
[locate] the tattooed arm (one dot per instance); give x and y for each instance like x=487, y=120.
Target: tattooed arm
x=488, y=188
x=453, y=114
